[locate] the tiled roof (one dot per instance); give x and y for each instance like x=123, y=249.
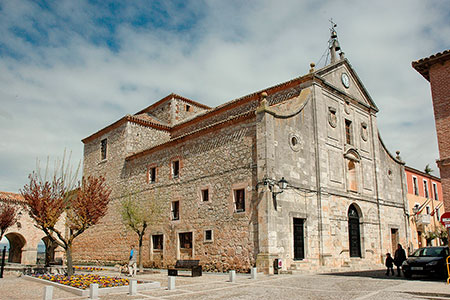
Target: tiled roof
x=151, y=119
x=135, y=119
x=169, y=97
x=423, y=65
x=13, y=197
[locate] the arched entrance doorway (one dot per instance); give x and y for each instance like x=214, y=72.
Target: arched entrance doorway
x=16, y=243
x=46, y=252
x=354, y=235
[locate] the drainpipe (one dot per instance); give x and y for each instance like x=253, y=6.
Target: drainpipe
x=377, y=193
x=319, y=193
x=405, y=202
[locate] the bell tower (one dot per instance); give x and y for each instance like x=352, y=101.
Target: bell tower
x=333, y=44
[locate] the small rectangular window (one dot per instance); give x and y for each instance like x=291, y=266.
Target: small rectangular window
x=435, y=191
x=152, y=175
x=239, y=200
x=438, y=215
x=175, y=210
x=176, y=169
x=188, y=107
x=415, y=187
x=205, y=195
x=208, y=235
x=104, y=144
x=157, y=240
x=348, y=132
x=425, y=189
x=185, y=240
x=428, y=210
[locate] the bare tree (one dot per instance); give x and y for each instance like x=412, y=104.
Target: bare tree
x=139, y=212
x=79, y=205
x=8, y=217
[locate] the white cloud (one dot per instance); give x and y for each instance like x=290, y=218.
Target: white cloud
x=68, y=84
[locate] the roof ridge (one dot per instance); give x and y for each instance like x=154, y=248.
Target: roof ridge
x=230, y=118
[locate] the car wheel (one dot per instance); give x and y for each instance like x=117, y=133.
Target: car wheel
x=407, y=274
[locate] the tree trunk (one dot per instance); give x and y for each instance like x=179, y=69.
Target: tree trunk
x=69, y=260
x=47, y=254
x=141, y=267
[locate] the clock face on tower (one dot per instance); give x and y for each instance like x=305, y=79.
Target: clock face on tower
x=345, y=80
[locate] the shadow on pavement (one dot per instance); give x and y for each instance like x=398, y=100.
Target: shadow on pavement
x=381, y=274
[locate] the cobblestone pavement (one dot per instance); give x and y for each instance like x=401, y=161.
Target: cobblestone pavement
x=369, y=285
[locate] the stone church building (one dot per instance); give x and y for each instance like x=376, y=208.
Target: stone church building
x=297, y=171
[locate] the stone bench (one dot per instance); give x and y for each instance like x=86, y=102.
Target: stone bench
x=191, y=265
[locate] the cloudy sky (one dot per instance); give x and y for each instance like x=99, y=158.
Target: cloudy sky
x=70, y=68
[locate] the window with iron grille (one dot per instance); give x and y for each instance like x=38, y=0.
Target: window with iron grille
x=208, y=235
x=175, y=210
x=176, y=169
x=104, y=145
x=157, y=240
x=239, y=200
x=185, y=240
x=205, y=195
x=152, y=175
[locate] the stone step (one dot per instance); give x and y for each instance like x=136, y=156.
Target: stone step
x=305, y=268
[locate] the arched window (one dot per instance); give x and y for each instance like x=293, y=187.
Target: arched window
x=354, y=232
x=351, y=179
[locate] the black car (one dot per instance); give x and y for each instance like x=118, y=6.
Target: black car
x=427, y=261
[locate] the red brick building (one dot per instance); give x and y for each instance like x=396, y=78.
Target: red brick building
x=436, y=69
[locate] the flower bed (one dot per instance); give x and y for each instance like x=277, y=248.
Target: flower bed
x=80, y=284
x=89, y=269
x=84, y=281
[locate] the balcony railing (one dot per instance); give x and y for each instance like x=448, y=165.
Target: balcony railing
x=423, y=219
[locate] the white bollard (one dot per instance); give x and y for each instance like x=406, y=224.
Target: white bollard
x=253, y=273
x=171, y=285
x=48, y=292
x=93, y=291
x=232, y=276
x=132, y=287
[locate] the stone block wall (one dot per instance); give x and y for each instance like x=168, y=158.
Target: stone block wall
x=221, y=160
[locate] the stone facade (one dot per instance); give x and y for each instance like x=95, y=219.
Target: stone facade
x=316, y=133
x=436, y=69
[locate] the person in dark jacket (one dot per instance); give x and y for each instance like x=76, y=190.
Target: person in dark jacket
x=389, y=264
x=399, y=258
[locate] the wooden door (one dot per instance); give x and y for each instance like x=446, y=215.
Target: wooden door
x=299, y=239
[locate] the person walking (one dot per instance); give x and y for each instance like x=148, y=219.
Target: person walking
x=132, y=267
x=389, y=264
x=399, y=258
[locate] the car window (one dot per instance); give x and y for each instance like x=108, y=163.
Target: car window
x=430, y=252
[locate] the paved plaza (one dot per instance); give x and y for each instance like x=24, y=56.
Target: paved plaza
x=369, y=285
